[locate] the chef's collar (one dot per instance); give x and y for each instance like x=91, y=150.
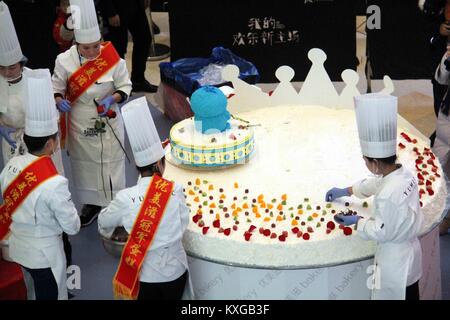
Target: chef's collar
x=397, y=171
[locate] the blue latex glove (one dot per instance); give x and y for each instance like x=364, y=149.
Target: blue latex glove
x=346, y=220
x=5, y=133
x=336, y=193
x=107, y=103
x=63, y=105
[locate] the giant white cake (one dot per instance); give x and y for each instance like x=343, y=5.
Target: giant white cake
x=272, y=212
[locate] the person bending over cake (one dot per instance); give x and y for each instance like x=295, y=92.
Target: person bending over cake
x=154, y=213
x=396, y=218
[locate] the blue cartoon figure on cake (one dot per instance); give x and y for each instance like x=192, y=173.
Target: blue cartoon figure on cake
x=209, y=105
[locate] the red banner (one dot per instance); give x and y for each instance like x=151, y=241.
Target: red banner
x=85, y=77
x=126, y=280
x=29, y=179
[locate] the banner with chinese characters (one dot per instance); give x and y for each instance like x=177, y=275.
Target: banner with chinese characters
x=268, y=34
x=91, y=71
x=126, y=280
x=29, y=179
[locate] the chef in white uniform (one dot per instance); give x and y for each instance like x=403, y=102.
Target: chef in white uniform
x=396, y=218
x=164, y=270
x=35, y=240
x=12, y=111
x=442, y=143
x=95, y=143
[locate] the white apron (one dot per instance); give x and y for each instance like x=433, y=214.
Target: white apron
x=12, y=114
x=97, y=159
x=53, y=250
x=393, y=264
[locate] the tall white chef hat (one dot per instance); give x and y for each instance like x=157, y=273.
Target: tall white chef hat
x=142, y=133
x=376, y=116
x=10, y=51
x=41, y=117
x=84, y=17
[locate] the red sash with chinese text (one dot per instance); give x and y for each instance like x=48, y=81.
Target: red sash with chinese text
x=29, y=179
x=126, y=280
x=82, y=79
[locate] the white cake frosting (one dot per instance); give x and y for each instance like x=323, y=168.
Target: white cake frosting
x=300, y=152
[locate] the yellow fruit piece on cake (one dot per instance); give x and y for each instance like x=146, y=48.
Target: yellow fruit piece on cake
x=269, y=206
x=212, y=205
x=197, y=181
x=257, y=215
x=267, y=219
x=236, y=185
x=279, y=218
x=191, y=192
x=284, y=197
x=196, y=199
x=280, y=207
x=300, y=211
x=217, y=216
x=222, y=196
x=245, y=206
x=294, y=222
x=315, y=215
x=211, y=187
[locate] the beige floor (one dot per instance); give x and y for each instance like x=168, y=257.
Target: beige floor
x=415, y=96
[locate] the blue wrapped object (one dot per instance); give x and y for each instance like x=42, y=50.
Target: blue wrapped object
x=209, y=105
x=184, y=74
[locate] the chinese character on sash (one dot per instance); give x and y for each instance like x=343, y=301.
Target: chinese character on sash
x=130, y=261
x=135, y=249
x=15, y=194
x=100, y=64
x=146, y=225
x=30, y=177
x=151, y=212
x=81, y=80
x=140, y=236
x=162, y=185
x=21, y=186
x=89, y=72
x=156, y=199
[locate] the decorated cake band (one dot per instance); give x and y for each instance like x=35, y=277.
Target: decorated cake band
x=213, y=157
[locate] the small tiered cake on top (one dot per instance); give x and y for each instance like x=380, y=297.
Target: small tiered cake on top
x=211, y=138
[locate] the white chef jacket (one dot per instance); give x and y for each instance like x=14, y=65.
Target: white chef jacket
x=97, y=160
x=395, y=224
x=12, y=114
x=166, y=259
x=37, y=224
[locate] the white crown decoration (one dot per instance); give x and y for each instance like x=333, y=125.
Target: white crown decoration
x=317, y=89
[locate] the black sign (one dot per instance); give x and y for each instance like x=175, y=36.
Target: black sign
x=400, y=47
x=267, y=33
